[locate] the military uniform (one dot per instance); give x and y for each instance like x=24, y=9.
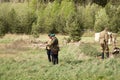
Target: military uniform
x=54, y=50
x=104, y=42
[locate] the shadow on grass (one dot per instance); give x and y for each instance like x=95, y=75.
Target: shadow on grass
x=74, y=61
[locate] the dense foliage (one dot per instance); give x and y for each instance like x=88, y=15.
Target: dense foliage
x=59, y=16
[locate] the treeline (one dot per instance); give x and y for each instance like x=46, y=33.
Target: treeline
x=84, y=2
x=71, y=17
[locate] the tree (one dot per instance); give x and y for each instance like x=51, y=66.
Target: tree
x=89, y=16
x=101, y=20
x=2, y=29
x=113, y=14
x=75, y=27
x=12, y=21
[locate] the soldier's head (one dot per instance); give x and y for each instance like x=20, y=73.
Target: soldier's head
x=52, y=35
x=49, y=35
x=106, y=29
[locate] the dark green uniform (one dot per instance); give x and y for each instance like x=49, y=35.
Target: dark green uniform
x=54, y=50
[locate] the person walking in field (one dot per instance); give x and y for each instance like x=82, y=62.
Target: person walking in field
x=54, y=49
x=48, y=48
x=104, y=42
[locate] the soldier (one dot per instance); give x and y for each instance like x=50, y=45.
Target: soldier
x=54, y=49
x=104, y=42
x=48, y=48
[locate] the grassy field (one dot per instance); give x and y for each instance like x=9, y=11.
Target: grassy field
x=22, y=60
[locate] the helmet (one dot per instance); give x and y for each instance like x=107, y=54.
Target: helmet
x=52, y=35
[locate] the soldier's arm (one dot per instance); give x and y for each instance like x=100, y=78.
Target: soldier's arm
x=52, y=41
x=99, y=36
x=111, y=37
x=106, y=37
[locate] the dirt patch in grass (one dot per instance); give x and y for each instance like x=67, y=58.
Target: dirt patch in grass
x=20, y=46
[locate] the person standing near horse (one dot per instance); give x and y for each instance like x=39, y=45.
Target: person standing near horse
x=104, y=42
x=54, y=49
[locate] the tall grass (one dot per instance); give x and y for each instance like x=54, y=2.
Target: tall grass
x=36, y=67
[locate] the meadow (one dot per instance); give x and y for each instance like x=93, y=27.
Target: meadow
x=24, y=58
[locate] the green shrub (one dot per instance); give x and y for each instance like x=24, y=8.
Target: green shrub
x=74, y=25
x=88, y=17
x=59, y=16
x=16, y=19
x=89, y=50
x=75, y=30
x=35, y=30
x=49, y=18
x=68, y=39
x=4, y=22
x=112, y=12
x=101, y=20
x=2, y=30
x=12, y=21
x=25, y=19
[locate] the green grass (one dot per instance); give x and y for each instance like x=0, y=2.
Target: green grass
x=88, y=39
x=6, y=40
x=32, y=64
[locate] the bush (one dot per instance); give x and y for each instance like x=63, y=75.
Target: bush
x=88, y=15
x=74, y=25
x=112, y=11
x=118, y=19
x=75, y=31
x=58, y=16
x=26, y=19
x=2, y=30
x=101, y=20
x=4, y=22
x=89, y=50
x=16, y=19
x=48, y=17
x=35, y=30
x=12, y=21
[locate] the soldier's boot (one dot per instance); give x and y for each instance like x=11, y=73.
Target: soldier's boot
x=102, y=55
x=54, y=61
x=57, y=60
x=107, y=54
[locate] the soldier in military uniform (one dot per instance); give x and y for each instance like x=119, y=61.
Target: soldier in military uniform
x=104, y=42
x=48, y=48
x=54, y=49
